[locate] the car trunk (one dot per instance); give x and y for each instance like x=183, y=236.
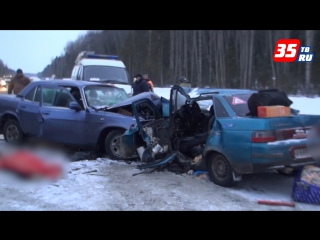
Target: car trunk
x=293, y=127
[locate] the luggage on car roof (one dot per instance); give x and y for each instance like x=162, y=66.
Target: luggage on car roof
x=270, y=97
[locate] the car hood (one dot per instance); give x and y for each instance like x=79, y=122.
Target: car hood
x=150, y=95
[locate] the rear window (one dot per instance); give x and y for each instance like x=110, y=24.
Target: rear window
x=239, y=103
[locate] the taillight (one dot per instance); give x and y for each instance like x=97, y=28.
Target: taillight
x=263, y=136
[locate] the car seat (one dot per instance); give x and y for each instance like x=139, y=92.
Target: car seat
x=63, y=100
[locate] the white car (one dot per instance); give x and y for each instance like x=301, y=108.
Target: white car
x=33, y=79
x=3, y=83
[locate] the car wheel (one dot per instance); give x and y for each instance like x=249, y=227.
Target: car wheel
x=112, y=144
x=12, y=132
x=220, y=171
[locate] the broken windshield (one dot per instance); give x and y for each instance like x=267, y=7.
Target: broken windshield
x=104, y=95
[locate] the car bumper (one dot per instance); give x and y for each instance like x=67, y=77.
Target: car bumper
x=270, y=164
x=272, y=156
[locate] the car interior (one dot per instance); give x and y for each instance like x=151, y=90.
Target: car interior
x=189, y=130
x=191, y=126
x=77, y=96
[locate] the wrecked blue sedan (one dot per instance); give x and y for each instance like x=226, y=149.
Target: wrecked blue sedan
x=66, y=112
x=224, y=140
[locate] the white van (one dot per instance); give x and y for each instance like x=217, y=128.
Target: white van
x=101, y=68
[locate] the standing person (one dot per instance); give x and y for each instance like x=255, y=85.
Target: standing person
x=18, y=82
x=140, y=85
x=145, y=77
x=183, y=82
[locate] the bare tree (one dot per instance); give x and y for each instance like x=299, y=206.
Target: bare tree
x=200, y=59
x=214, y=57
x=171, y=49
x=309, y=43
x=271, y=45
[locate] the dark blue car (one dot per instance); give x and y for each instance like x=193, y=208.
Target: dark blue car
x=72, y=113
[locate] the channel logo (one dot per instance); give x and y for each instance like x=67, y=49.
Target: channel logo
x=289, y=50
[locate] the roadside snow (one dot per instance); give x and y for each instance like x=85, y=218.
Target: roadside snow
x=112, y=187
x=306, y=105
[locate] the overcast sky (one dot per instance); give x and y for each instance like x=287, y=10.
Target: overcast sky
x=32, y=50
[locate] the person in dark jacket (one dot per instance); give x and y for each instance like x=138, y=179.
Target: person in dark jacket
x=140, y=85
x=18, y=82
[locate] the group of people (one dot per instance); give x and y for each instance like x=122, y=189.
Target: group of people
x=142, y=83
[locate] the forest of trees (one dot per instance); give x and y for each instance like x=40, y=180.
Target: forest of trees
x=215, y=58
x=5, y=70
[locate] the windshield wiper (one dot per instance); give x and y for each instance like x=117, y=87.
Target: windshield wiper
x=113, y=81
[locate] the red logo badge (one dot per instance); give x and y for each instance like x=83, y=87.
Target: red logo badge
x=286, y=50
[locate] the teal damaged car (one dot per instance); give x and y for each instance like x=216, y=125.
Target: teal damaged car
x=224, y=140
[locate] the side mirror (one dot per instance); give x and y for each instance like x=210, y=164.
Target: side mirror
x=75, y=106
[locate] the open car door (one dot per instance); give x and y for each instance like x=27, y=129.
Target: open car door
x=151, y=137
x=151, y=120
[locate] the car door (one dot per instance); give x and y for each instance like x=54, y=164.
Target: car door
x=61, y=124
x=216, y=139
x=31, y=121
x=136, y=135
x=178, y=98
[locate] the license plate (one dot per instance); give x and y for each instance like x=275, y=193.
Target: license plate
x=301, y=153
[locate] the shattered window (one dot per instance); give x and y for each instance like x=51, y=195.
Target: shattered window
x=104, y=95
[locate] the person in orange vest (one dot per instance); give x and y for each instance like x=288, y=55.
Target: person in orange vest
x=145, y=76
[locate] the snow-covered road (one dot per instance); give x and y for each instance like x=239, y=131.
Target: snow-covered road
x=109, y=185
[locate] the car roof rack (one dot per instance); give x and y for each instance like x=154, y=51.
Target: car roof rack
x=93, y=55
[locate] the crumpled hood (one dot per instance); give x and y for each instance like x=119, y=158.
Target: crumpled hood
x=149, y=95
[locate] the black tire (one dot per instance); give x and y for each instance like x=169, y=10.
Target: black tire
x=220, y=170
x=112, y=144
x=12, y=132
